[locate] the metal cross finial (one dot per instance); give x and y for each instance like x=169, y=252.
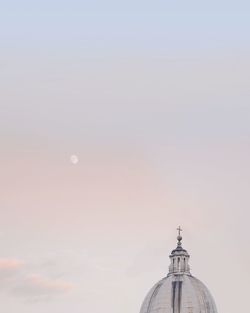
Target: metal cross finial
x=179, y=238
x=179, y=230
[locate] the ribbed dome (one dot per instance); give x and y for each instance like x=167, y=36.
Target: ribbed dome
x=179, y=292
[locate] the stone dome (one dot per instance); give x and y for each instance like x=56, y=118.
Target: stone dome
x=179, y=291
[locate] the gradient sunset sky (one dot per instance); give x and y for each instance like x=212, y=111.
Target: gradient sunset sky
x=153, y=97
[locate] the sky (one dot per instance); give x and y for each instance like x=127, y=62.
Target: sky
x=153, y=99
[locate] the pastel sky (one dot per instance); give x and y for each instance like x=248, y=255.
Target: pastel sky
x=153, y=97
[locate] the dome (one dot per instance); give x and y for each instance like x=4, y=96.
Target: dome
x=179, y=291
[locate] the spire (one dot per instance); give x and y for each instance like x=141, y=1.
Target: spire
x=179, y=258
x=179, y=238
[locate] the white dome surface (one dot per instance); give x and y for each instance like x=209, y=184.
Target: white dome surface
x=179, y=292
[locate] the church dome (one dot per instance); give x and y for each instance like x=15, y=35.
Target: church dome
x=179, y=291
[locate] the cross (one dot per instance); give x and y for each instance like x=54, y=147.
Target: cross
x=179, y=230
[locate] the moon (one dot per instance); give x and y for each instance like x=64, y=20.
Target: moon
x=74, y=159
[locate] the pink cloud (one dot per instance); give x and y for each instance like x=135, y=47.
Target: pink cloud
x=37, y=287
x=18, y=281
x=39, y=282
x=10, y=264
x=9, y=270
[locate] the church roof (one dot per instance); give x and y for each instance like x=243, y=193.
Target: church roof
x=179, y=291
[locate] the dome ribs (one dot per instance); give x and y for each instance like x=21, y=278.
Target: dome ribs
x=176, y=296
x=154, y=295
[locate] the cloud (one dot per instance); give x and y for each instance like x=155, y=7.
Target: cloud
x=10, y=264
x=9, y=268
x=17, y=280
x=49, y=284
x=38, y=287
